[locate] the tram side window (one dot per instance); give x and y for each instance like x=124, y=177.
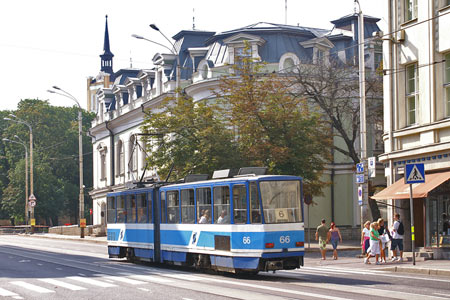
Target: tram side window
x=204, y=206
x=163, y=207
x=131, y=209
x=111, y=210
x=187, y=206
x=141, y=202
x=240, y=204
x=222, y=205
x=121, y=209
x=254, y=204
x=173, y=207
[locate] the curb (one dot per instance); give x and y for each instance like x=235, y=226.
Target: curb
x=339, y=249
x=425, y=271
x=66, y=239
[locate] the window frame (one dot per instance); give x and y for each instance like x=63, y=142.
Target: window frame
x=175, y=208
x=411, y=94
x=187, y=204
x=201, y=207
x=410, y=10
x=446, y=84
x=219, y=207
x=243, y=187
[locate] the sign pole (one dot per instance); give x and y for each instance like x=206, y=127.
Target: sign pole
x=412, y=223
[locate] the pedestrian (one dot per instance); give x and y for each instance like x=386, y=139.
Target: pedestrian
x=335, y=237
x=374, y=244
x=322, y=235
x=397, y=238
x=384, y=240
x=365, y=237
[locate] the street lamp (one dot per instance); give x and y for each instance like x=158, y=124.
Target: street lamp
x=32, y=197
x=362, y=113
x=63, y=93
x=173, y=51
x=26, y=172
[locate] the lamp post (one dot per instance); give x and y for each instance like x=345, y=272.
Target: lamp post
x=26, y=172
x=63, y=93
x=173, y=51
x=362, y=114
x=20, y=121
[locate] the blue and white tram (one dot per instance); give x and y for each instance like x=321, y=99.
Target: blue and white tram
x=240, y=224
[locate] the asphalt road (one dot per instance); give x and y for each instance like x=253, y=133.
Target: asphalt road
x=32, y=268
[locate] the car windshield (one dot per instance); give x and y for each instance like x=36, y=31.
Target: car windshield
x=281, y=201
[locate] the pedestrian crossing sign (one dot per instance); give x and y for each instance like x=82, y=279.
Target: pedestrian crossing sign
x=414, y=173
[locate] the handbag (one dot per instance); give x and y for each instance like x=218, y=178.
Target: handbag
x=385, y=238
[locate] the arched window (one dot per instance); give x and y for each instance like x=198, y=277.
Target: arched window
x=133, y=151
x=288, y=63
x=102, y=161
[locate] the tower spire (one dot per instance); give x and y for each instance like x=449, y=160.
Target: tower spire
x=107, y=56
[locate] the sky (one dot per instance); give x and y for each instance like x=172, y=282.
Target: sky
x=58, y=42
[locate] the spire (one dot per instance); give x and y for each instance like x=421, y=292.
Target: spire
x=107, y=56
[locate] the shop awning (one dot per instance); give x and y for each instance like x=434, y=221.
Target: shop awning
x=400, y=190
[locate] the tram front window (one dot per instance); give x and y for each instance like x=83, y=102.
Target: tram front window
x=281, y=201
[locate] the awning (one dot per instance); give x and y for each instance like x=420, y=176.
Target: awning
x=400, y=190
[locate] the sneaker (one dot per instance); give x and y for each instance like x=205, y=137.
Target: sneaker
x=394, y=258
x=378, y=263
x=366, y=260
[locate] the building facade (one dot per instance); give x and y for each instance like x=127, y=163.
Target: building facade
x=204, y=57
x=416, y=115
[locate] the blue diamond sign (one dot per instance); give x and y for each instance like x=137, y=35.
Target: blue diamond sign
x=414, y=173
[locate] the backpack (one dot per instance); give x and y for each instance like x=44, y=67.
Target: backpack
x=401, y=229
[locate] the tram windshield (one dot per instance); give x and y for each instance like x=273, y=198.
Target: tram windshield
x=281, y=201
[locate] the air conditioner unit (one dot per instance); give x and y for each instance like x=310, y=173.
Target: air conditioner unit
x=401, y=35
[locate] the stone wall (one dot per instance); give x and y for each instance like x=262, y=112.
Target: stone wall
x=69, y=230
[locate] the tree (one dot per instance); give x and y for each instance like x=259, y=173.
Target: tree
x=55, y=159
x=274, y=128
x=333, y=88
x=189, y=137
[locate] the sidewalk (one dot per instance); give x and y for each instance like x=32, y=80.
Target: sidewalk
x=348, y=251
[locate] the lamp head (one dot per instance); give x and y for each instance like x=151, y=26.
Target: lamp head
x=137, y=36
x=7, y=119
x=12, y=115
x=5, y=140
x=153, y=26
x=56, y=88
x=50, y=91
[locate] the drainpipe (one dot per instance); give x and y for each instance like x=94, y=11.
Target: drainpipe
x=111, y=145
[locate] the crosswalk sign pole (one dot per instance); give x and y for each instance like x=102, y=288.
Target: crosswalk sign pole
x=412, y=224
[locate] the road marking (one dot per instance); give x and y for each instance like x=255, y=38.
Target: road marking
x=366, y=271
x=40, y=264
x=63, y=284
x=149, y=278
x=6, y=293
x=445, y=295
x=181, y=276
x=31, y=287
x=60, y=269
x=81, y=274
x=91, y=281
x=144, y=289
x=125, y=280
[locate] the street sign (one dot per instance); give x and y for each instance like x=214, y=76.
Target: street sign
x=33, y=222
x=83, y=223
x=414, y=173
x=360, y=168
x=359, y=178
x=32, y=203
x=32, y=197
x=372, y=162
x=360, y=195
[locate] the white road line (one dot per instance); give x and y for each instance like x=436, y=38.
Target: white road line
x=445, y=295
x=31, y=287
x=143, y=289
x=150, y=278
x=62, y=284
x=181, y=276
x=365, y=272
x=91, y=281
x=6, y=293
x=125, y=280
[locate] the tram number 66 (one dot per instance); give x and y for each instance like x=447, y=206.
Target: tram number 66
x=285, y=239
x=246, y=240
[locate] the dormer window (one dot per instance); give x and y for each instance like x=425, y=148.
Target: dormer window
x=236, y=46
x=321, y=49
x=288, y=63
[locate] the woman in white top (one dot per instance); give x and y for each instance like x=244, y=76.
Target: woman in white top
x=365, y=236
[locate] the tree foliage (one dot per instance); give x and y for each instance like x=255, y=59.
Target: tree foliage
x=274, y=128
x=190, y=138
x=55, y=160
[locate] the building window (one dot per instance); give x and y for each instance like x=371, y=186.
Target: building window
x=410, y=10
x=120, y=158
x=242, y=53
x=102, y=151
x=412, y=94
x=447, y=83
x=133, y=148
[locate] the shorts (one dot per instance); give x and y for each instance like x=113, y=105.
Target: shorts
x=395, y=243
x=374, y=247
x=334, y=243
x=322, y=243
